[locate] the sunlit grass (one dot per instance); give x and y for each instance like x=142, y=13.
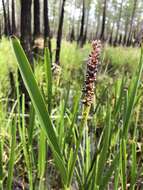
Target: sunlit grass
x=44, y=150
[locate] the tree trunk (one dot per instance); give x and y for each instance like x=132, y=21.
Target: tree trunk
x=81, y=35
x=97, y=27
x=118, y=24
x=103, y=21
x=13, y=17
x=126, y=31
x=120, y=39
x=111, y=36
x=36, y=18
x=0, y=30
x=72, y=35
x=5, y=19
x=25, y=38
x=47, y=35
x=8, y=18
x=131, y=23
x=86, y=27
x=59, y=34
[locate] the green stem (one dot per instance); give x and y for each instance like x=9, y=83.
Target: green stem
x=85, y=114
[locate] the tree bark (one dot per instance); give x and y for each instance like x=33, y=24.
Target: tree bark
x=86, y=26
x=111, y=36
x=118, y=24
x=97, y=27
x=47, y=35
x=0, y=30
x=36, y=18
x=8, y=18
x=25, y=39
x=59, y=34
x=81, y=35
x=13, y=17
x=126, y=31
x=131, y=23
x=5, y=19
x=72, y=35
x=103, y=21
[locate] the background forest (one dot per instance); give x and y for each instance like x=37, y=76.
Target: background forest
x=59, y=129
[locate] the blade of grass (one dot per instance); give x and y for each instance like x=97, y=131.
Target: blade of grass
x=1, y=164
x=123, y=160
x=39, y=105
x=133, y=93
x=12, y=156
x=48, y=73
x=108, y=174
x=30, y=128
x=104, y=151
x=133, y=167
x=41, y=158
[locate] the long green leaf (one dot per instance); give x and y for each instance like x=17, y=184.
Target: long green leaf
x=48, y=72
x=133, y=93
x=38, y=103
x=12, y=157
x=109, y=173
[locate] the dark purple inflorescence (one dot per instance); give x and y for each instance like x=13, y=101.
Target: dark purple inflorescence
x=92, y=68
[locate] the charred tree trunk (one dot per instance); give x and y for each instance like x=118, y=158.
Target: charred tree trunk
x=103, y=21
x=8, y=18
x=118, y=24
x=131, y=24
x=97, y=27
x=86, y=27
x=59, y=34
x=36, y=18
x=81, y=35
x=72, y=35
x=5, y=19
x=25, y=38
x=13, y=17
x=0, y=30
x=126, y=31
x=47, y=35
x=111, y=36
x=120, y=39
x=26, y=27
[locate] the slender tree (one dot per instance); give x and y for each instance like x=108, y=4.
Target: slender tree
x=72, y=34
x=126, y=31
x=59, y=33
x=47, y=35
x=0, y=30
x=5, y=19
x=98, y=19
x=102, y=35
x=81, y=35
x=131, y=23
x=8, y=18
x=118, y=23
x=36, y=18
x=25, y=39
x=87, y=21
x=111, y=34
x=26, y=26
x=13, y=17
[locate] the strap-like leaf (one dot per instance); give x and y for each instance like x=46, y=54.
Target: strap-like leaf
x=38, y=103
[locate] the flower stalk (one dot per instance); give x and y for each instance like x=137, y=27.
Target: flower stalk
x=88, y=95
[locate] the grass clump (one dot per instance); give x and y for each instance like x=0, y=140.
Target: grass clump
x=61, y=149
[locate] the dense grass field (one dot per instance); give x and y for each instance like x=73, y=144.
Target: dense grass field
x=43, y=150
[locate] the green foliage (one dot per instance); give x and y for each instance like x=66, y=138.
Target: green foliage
x=98, y=151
